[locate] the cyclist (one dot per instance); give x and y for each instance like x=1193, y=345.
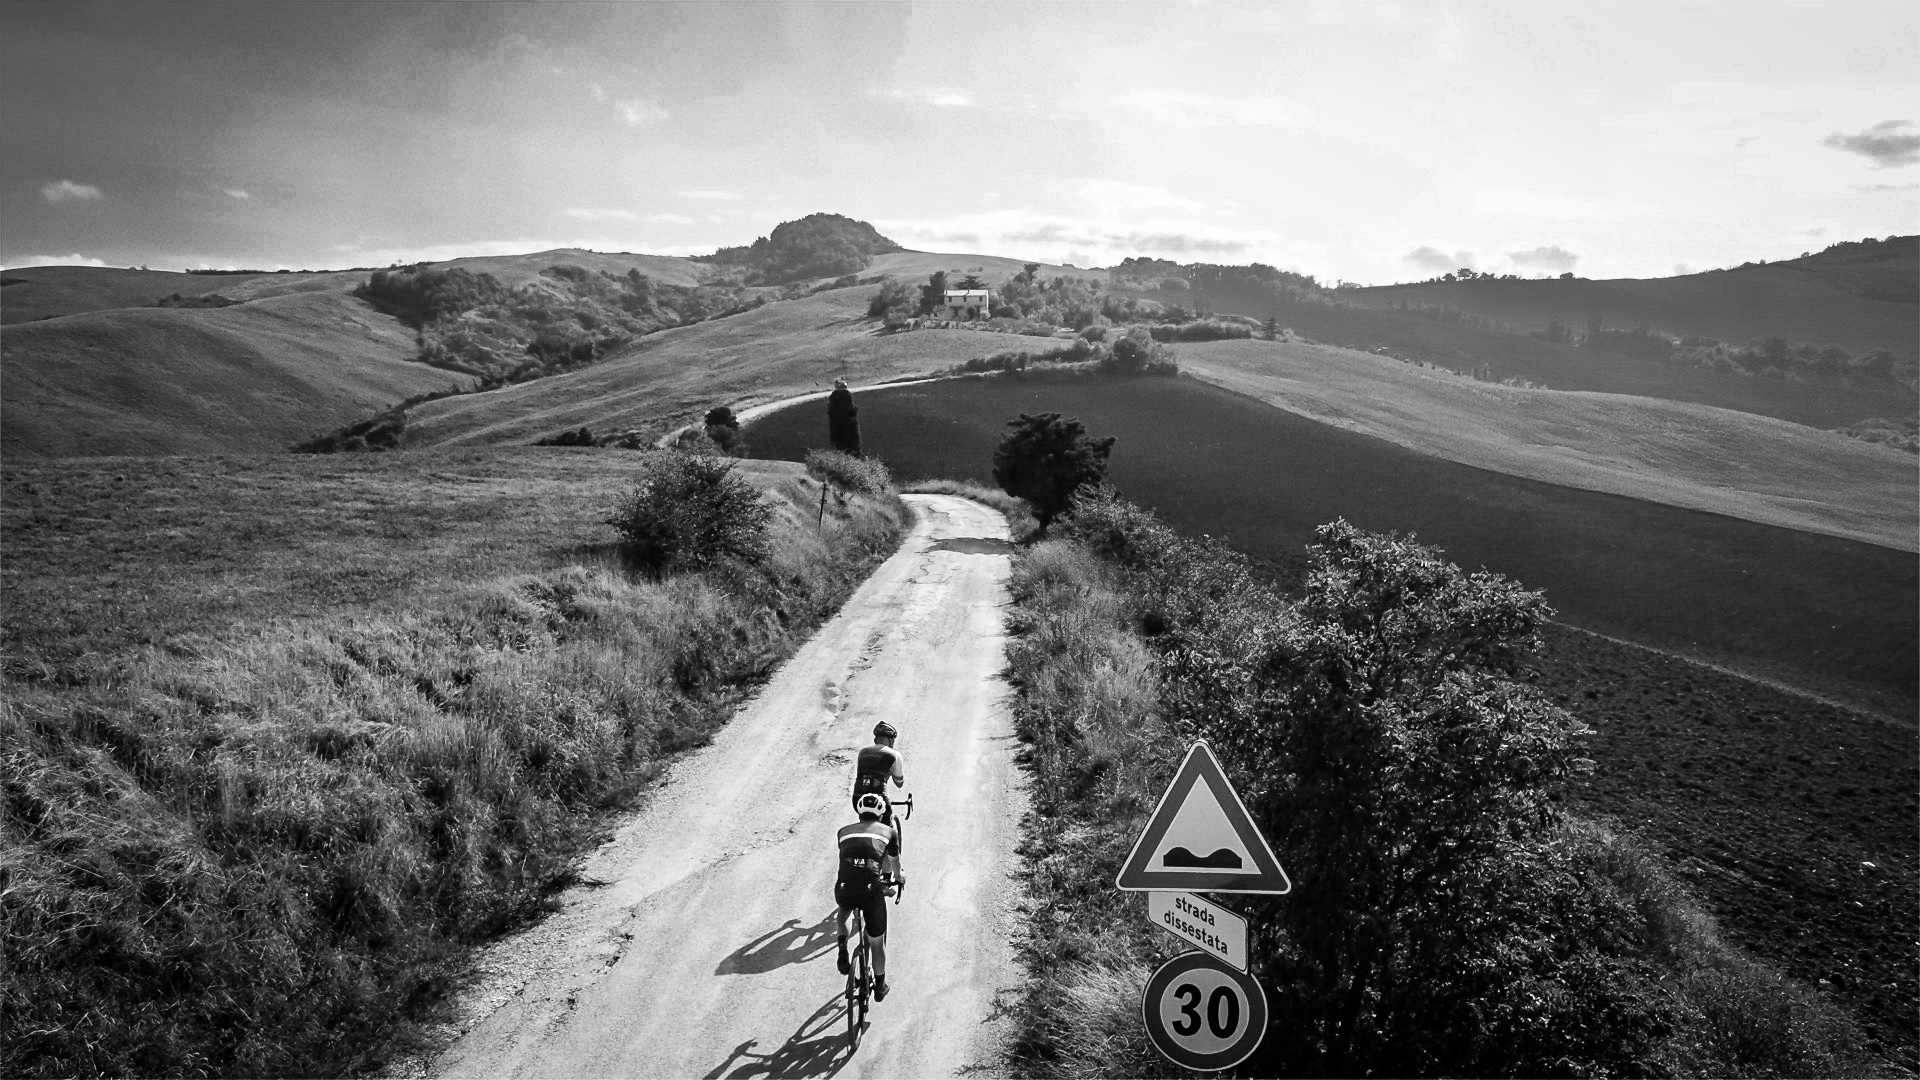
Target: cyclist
x=877, y=764
x=867, y=847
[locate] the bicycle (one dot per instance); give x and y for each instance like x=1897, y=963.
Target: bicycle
x=860, y=979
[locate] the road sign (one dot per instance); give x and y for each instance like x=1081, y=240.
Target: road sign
x=1208, y=925
x=1204, y=1015
x=1201, y=838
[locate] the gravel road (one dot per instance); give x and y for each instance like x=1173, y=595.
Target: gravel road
x=703, y=943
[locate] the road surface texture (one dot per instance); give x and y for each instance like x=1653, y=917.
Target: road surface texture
x=702, y=945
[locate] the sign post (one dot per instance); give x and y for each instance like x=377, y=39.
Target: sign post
x=1202, y=1009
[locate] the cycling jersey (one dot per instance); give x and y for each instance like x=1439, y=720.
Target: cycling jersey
x=864, y=848
x=874, y=767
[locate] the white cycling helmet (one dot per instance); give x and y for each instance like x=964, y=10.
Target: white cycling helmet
x=871, y=804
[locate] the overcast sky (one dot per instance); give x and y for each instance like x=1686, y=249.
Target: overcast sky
x=1371, y=142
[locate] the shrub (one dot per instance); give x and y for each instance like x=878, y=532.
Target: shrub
x=1139, y=354
x=580, y=437
x=895, y=302
x=864, y=475
x=691, y=512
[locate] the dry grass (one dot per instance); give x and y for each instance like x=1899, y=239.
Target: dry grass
x=243, y=837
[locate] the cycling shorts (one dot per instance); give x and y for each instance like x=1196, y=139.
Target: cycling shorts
x=870, y=898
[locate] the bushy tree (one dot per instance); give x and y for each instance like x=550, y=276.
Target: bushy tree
x=724, y=429
x=933, y=293
x=691, y=512
x=843, y=419
x=1390, y=749
x=893, y=303
x=1045, y=459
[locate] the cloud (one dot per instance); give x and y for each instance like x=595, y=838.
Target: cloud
x=237, y=193
x=1883, y=144
x=1887, y=187
x=1510, y=202
x=1432, y=258
x=940, y=97
x=639, y=112
x=1549, y=257
x=362, y=255
x=1089, y=240
x=1114, y=198
x=707, y=194
x=68, y=191
x=75, y=259
x=631, y=216
x=1187, y=109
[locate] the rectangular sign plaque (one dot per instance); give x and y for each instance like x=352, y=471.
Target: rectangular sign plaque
x=1217, y=931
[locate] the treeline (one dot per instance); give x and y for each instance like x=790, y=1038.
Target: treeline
x=1093, y=351
x=1448, y=916
x=473, y=324
x=1768, y=357
x=1032, y=305
x=815, y=246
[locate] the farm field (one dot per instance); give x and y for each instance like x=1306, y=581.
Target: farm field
x=1681, y=454
x=1210, y=461
x=1770, y=800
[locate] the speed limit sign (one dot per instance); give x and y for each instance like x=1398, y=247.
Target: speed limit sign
x=1203, y=1014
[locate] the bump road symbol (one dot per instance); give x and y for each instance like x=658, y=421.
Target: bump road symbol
x=1201, y=838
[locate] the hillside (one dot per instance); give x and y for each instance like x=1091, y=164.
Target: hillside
x=1858, y=296
x=1680, y=454
x=250, y=378
x=666, y=379
x=1846, y=299
x=32, y=293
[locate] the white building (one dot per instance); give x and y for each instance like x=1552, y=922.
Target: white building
x=966, y=305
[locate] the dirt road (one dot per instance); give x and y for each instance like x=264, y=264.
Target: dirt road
x=705, y=948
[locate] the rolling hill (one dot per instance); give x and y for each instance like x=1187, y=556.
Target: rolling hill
x=1860, y=296
x=157, y=381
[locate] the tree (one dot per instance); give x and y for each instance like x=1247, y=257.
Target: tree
x=934, y=292
x=893, y=302
x=971, y=281
x=1271, y=328
x=1029, y=273
x=843, y=419
x=724, y=429
x=1045, y=459
x=1382, y=735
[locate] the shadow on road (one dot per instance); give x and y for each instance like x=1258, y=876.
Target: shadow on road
x=818, y=1048
x=973, y=545
x=790, y=944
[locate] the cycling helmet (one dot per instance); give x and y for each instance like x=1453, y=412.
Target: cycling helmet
x=871, y=804
x=884, y=730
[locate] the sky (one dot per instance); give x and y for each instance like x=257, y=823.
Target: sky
x=1361, y=141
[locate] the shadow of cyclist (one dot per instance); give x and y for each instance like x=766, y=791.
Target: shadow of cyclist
x=790, y=944
x=818, y=1048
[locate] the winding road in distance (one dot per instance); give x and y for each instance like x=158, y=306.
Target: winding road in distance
x=702, y=943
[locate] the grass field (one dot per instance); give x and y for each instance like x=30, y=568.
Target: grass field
x=281, y=735
x=1210, y=461
x=1681, y=454
x=253, y=377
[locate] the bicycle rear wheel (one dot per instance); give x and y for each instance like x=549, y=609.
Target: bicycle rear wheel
x=856, y=1005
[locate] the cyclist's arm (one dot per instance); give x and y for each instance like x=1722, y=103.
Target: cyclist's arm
x=899, y=770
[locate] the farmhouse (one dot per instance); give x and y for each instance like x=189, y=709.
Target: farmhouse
x=967, y=304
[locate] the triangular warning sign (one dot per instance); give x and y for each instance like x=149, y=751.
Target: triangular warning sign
x=1201, y=838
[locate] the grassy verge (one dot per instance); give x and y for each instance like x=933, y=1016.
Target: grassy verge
x=1093, y=687
x=281, y=736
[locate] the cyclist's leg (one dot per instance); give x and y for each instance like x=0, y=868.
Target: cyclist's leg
x=876, y=915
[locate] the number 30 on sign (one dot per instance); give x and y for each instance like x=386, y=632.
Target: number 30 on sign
x=1202, y=1014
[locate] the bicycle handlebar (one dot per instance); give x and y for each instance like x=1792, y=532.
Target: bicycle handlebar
x=906, y=802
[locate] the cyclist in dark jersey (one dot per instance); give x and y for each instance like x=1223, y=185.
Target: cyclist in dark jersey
x=877, y=764
x=868, y=848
